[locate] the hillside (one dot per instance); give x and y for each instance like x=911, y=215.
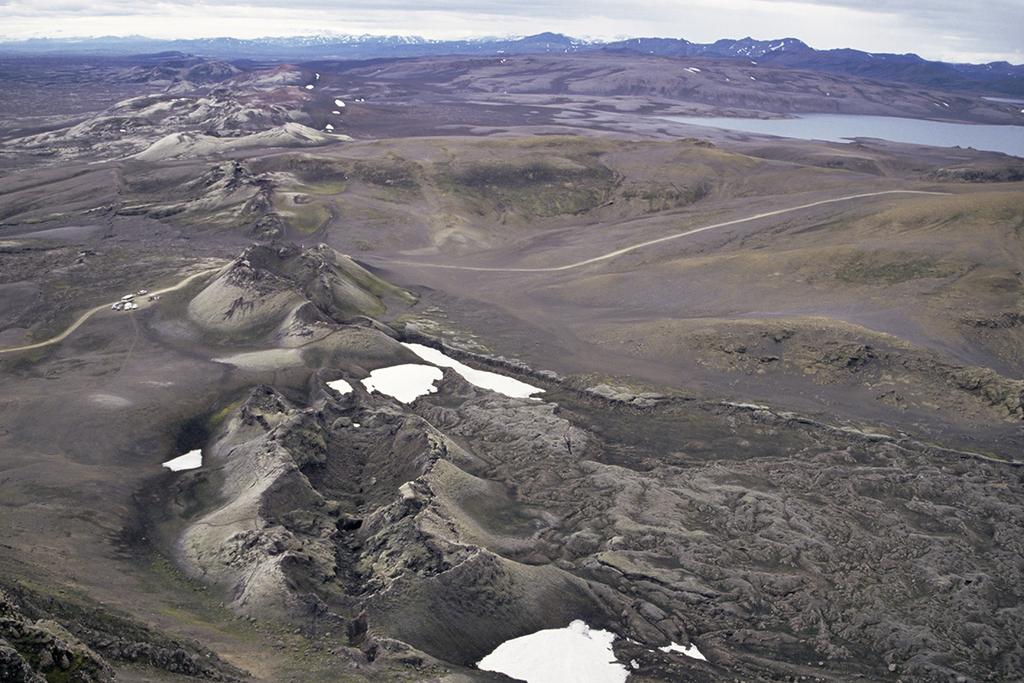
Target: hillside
x=358, y=371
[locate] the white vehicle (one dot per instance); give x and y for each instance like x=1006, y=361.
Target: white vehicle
x=127, y=297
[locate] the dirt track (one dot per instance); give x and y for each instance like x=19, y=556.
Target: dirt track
x=93, y=311
x=659, y=240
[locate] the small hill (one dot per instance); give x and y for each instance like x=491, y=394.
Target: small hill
x=270, y=286
x=190, y=145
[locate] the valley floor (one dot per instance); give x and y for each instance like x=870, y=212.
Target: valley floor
x=782, y=382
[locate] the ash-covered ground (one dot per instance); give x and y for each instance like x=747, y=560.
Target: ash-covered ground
x=783, y=381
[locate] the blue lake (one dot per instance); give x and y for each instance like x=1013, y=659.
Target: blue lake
x=843, y=127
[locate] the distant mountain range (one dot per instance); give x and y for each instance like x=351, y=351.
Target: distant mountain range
x=995, y=77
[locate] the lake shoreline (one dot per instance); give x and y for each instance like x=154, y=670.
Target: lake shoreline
x=845, y=128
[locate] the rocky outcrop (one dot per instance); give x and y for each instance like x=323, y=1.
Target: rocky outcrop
x=467, y=518
x=268, y=285
x=33, y=651
x=1009, y=173
x=244, y=544
x=625, y=396
x=14, y=668
x=1004, y=321
x=897, y=372
x=379, y=522
x=227, y=195
x=43, y=638
x=190, y=144
x=182, y=121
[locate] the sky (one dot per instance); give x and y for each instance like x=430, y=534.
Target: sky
x=952, y=30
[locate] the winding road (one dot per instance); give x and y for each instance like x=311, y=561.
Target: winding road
x=659, y=240
x=93, y=311
x=550, y=269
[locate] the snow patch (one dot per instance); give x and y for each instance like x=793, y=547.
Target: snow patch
x=574, y=654
x=189, y=461
x=692, y=652
x=309, y=87
x=405, y=382
x=693, y=69
x=341, y=386
x=507, y=386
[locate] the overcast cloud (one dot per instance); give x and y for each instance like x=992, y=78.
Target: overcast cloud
x=960, y=30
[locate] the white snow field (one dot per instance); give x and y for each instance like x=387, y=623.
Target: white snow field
x=574, y=654
x=190, y=461
x=501, y=384
x=692, y=652
x=341, y=386
x=405, y=382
